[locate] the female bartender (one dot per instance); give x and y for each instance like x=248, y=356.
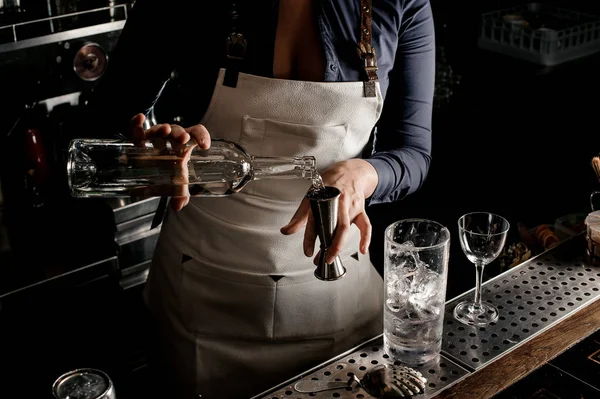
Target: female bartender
x=232, y=287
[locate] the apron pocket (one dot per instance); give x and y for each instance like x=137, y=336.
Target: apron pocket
x=270, y=138
x=308, y=307
x=222, y=303
x=219, y=302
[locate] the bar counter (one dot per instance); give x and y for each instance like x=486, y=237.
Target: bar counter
x=548, y=304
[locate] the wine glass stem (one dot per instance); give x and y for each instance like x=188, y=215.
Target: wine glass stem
x=478, y=283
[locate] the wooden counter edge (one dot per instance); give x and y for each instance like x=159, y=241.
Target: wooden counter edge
x=510, y=368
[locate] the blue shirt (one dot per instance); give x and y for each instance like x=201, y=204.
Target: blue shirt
x=189, y=37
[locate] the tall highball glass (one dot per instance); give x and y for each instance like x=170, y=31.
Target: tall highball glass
x=415, y=275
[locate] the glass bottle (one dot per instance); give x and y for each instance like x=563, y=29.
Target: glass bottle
x=116, y=168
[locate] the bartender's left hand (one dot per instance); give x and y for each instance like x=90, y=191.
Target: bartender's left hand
x=357, y=180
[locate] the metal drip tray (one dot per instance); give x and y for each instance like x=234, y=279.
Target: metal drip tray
x=358, y=361
x=531, y=298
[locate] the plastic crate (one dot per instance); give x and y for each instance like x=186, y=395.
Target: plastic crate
x=539, y=33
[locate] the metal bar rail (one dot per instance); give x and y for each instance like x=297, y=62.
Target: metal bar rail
x=14, y=27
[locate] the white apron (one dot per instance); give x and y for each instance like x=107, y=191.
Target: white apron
x=238, y=303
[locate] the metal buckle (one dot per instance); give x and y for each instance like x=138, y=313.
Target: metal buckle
x=369, y=57
x=367, y=53
x=236, y=46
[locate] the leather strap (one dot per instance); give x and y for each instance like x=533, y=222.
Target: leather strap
x=237, y=44
x=159, y=214
x=236, y=48
x=366, y=51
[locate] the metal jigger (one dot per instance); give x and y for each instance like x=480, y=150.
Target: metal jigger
x=324, y=206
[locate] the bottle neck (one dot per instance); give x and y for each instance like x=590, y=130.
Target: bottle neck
x=284, y=168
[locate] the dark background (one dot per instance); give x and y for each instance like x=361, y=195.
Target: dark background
x=516, y=138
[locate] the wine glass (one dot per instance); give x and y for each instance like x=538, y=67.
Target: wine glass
x=482, y=236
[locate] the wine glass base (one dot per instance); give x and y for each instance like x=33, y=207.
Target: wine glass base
x=466, y=313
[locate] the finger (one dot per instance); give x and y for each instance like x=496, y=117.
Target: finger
x=179, y=135
x=184, y=152
x=178, y=203
x=181, y=176
x=316, y=258
x=157, y=134
x=138, y=120
x=201, y=135
x=364, y=225
x=310, y=236
x=179, y=139
x=158, y=143
x=158, y=131
x=181, y=195
x=137, y=128
x=298, y=220
x=341, y=232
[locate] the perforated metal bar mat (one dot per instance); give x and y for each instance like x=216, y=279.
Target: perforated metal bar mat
x=358, y=362
x=531, y=298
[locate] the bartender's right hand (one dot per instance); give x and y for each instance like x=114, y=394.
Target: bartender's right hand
x=179, y=138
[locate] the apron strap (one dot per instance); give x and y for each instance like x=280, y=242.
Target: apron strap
x=236, y=45
x=159, y=214
x=365, y=49
x=236, y=48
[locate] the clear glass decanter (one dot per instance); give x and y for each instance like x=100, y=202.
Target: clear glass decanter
x=115, y=168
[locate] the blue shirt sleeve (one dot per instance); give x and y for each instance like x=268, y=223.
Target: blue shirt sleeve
x=402, y=143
